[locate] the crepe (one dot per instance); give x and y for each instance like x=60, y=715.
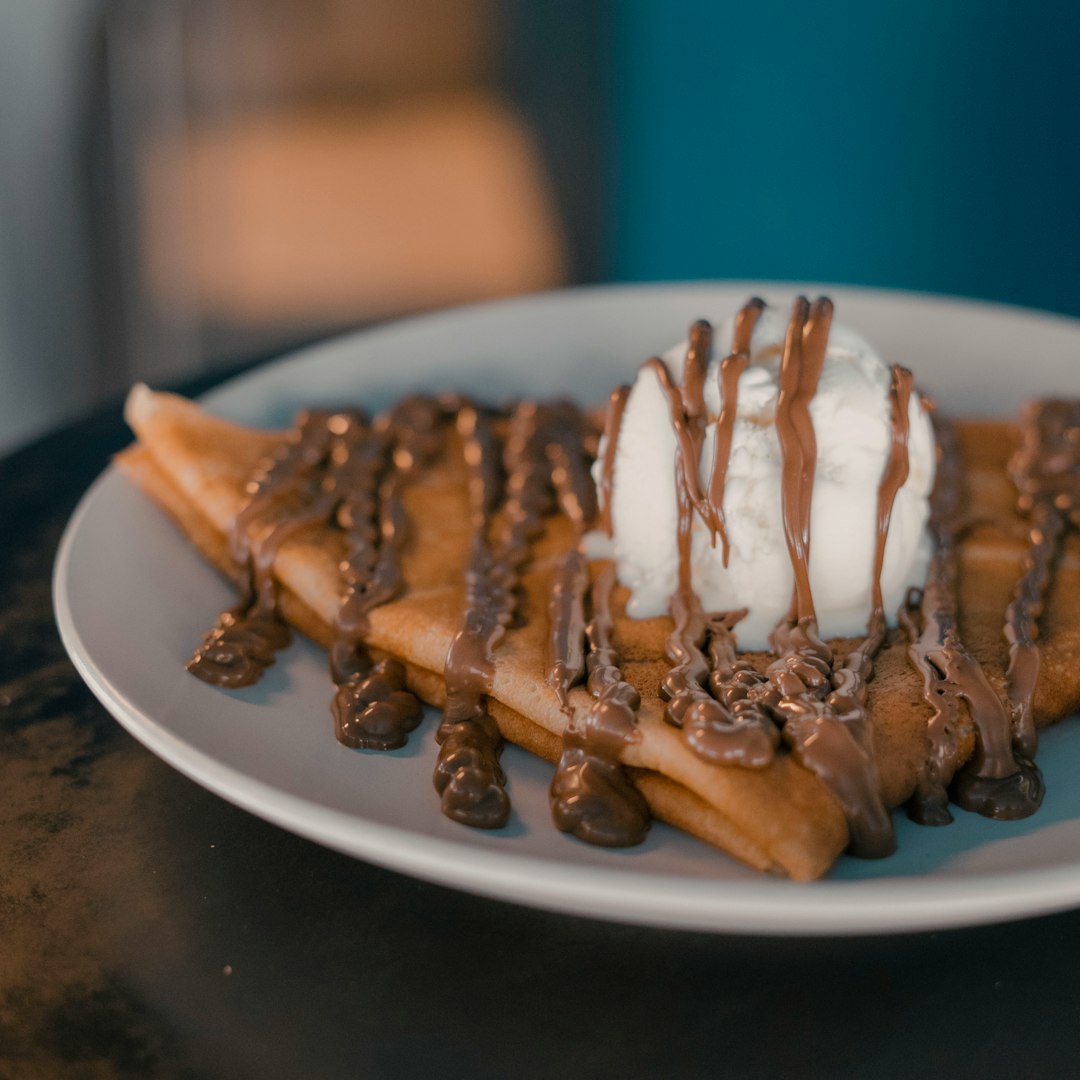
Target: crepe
x=781, y=818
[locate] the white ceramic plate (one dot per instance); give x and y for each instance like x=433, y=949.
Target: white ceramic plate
x=132, y=598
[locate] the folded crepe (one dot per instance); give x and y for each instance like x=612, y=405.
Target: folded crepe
x=781, y=818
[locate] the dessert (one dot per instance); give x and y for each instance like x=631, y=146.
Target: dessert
x=398, y=543
x=739, y=558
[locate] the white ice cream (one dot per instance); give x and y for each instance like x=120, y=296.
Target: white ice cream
x=851, y=417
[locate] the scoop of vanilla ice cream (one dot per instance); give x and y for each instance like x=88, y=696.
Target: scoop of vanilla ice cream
x=851, y=414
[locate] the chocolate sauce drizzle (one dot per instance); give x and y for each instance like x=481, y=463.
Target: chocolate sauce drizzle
x=287, y=493
x=332, y=465
x=591, y=794
x=612, y=428
x=566, y=607
x=1046, y=471
x=820, y=707
x=468, y=776
x=373, y=708
x=566, y=621
x=731, y=369
x=568, y=438
x=734, y=729
x=824, y=711
x=543, y=448
x=996, y=782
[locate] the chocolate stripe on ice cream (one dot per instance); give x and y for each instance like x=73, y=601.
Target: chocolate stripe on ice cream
x=591, y=794
x=800, y=369
x=1046, y=471
x=894, y=476
x=612, y=429
x=686, y=404
x=993, y=783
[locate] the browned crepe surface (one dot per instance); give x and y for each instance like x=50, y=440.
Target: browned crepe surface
x=781, y=818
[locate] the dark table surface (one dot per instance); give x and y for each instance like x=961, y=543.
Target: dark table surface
x=150, y=929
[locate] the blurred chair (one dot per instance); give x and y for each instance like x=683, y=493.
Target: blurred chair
x=284, y=168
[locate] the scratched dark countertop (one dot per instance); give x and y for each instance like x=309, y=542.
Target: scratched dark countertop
x=150, y=929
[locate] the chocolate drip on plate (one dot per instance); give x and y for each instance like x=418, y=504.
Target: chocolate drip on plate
x=591, y=794
x=239, y=648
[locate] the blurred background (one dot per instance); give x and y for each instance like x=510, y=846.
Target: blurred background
x=189, y=183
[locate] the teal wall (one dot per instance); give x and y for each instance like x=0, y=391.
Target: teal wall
x=926, y=145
